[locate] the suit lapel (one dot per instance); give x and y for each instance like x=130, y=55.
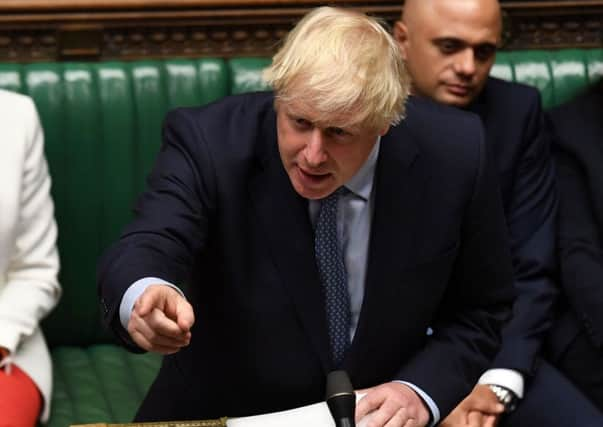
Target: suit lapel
x=399, y=182
x=283, y=215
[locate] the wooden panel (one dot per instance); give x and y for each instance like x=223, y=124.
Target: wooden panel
x=50, y=30
x=553, y=24
x=31, y=5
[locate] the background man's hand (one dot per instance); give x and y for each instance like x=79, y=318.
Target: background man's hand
x=392, y=404
x=161, y=320
x=479, y=409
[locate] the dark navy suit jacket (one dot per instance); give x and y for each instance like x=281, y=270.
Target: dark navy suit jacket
x=578, y=128
x=220, y=215
x=520, y=144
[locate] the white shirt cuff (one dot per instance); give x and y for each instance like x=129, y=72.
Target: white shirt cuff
x=433, y=408
x=507, y=378
x=134, y=291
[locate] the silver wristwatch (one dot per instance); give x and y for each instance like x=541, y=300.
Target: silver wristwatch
x=505, y=396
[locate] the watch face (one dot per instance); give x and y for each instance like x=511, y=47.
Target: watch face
x=511, y=403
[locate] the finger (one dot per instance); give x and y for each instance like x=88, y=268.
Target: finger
x=163, y=325
x=398, y=419
x=465, y=418
x=387, y=410
x=371, y=401
x=490, y=420
x=488, y=406
x=474, y=419
x=144, y=343
x=153, y=335
x=153, y=296
x=177, y=308
x=148, y=339
x=365, y=390
x=185, y=315
x=493, y=408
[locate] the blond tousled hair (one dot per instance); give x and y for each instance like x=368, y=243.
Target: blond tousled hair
x=343, y=65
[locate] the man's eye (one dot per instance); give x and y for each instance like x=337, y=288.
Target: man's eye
x=484, y=53
x=302, y=123
x=448, y=46
x=336, y=132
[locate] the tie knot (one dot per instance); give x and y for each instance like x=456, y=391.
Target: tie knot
x=334, y=196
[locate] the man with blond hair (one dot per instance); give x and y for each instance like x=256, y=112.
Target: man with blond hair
x=316, y=228
x=449, y=48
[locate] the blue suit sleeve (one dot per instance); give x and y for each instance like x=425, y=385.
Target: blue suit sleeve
x=179, y=193
x=530, y=215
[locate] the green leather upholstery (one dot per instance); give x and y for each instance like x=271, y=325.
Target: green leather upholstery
x=558, y=74
x=102, y=124
x=99, y=382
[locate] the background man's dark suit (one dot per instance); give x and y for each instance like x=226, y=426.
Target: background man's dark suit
x=513, y=121
x=577, y=338
x=219, y=201
x=521, y=145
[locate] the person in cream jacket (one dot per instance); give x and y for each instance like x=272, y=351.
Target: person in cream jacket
x=29, y=264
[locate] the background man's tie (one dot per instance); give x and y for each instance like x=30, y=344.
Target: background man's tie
x=329, y=259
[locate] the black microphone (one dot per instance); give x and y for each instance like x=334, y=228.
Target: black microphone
x=341, y=399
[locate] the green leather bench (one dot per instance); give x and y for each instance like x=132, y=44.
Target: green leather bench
x=102, y=124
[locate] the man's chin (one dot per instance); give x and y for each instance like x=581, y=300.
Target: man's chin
x=456, y=98
x=313, y=192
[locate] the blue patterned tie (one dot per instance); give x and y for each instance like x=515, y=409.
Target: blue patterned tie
x=329, y=259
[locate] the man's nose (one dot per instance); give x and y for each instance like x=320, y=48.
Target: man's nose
x=465, y=63
x=315, y=149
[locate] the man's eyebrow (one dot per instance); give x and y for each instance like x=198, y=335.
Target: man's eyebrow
x=293, y=114
x=462, y=42
x=448, y=39
x=487, y=44
x=294, y=111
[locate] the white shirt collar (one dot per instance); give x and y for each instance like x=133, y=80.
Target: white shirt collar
x=361, y=184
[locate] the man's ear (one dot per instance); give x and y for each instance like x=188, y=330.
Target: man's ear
x=401, y=36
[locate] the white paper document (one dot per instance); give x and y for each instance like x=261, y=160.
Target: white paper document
x=316, y=415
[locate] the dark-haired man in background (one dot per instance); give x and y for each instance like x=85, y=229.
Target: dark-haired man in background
x=449, y=48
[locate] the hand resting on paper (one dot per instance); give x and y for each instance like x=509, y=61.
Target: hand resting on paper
x=392, y=404
x=314, y=415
